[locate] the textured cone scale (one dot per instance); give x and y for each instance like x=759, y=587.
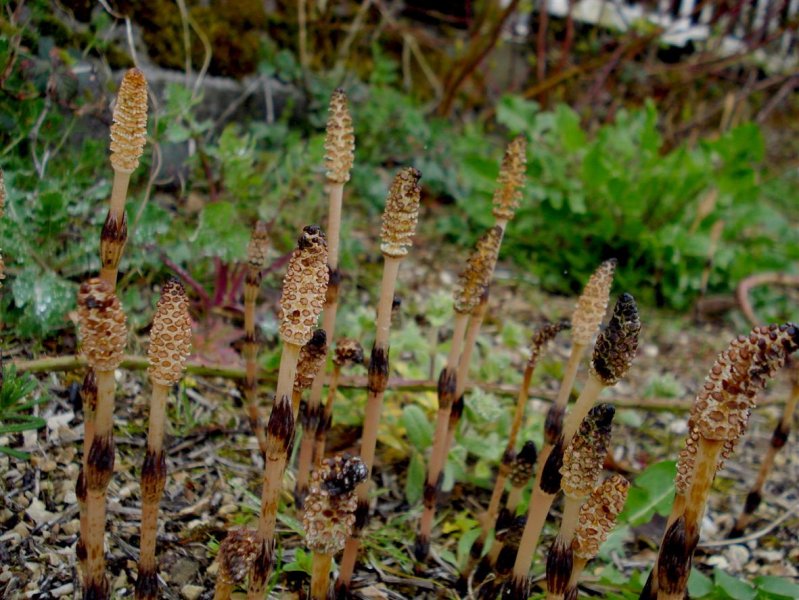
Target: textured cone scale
x=348, y=352
x=129, y=129
x=523, y=465
x=616, y=346
x=236, y=555
x=258, y=246
x=721, y=409
x=585, y=454
x=593, y=303
x=401, y=213
x=312, y=357
x=304, y=288
x=511, y=179
x=170, y=336
x=476, y=278
x=340, y=139
x=102, y=323
x=545, y=334
x=598, y=516
x=331, y=503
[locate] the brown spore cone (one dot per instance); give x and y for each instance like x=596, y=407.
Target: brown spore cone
x=476, y=277
x=170, y=336
x=598, y=516
x=348, y=352
x=304, y=288
x=401, y=213
x=129, y=129
x=585, y=454
x=331, y=503
x=511, y=179
x=617, y=344
x=102, y=324
x=593, y=303
x=339, y=139
x=312, y=357
x=258, y=246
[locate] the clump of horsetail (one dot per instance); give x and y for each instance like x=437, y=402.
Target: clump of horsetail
x=103, y=332
x=778, y=439
x=170, y=344
x=128, y=136
x=718, y=419
x=474, y=282
x=348, y=352
x=330, y=515
x=396, y=235
x=339, y=157
x=582, y=466
x=301, y=302
x=596, y=520
x=613, y=354
x=312, y=358
x=256, y=261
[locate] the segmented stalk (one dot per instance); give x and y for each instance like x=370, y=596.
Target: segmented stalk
x=128, y=136
x=104, y=334
x=304, y=288
x=398, y=227
x=170, y=344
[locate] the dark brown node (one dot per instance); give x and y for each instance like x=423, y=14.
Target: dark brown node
x=97, y=590
x=311, y=235
x=550, y=475
x=674, y=560
x=477, y=549
x=455, y=413
x=263, y=564
x=334, y=280
x=560, y=562
x=447, y=382
x=281, y=422
x=88, y=392
x=753, y=500
x=361, y=515
x=571, y=593
x=421, y=548
x=528, y=454
x=80, y=487
x=153, y=476
x=146, y=584
x=506, y=559
x=780, y=436
x=647, y=592
x=430, y=494
x=553, y=426
x=80, y=550
x=518, y=589
x=377, y=380
x=112, y=240
x=253, y=278
x=100, y=463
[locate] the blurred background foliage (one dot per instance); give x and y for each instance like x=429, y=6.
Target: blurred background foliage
x=669, y=159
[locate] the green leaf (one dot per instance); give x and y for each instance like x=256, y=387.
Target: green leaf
x=652, y=491
x=567, y=123
x=220, y=233
x=418, y=426
x=736, y=589
x=45, y=300
x=699, y=584
x=414, y=483
x=15, y=453
x=777, y=587
x=516, y=113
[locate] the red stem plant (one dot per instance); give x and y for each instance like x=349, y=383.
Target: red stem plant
x=718, y=419
x=778, y=439
x=582, y=466
x=170, y=344
x=128, y=136
x=304, y=288
x=103, y=333
x=473, y=283
x=256, y=260
x=596, y=520
x=399, y=225
x=348, y=352
x=613, y=354
x=330, y=515
x=339, y=157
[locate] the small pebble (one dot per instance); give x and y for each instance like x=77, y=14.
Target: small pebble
x=191, y=592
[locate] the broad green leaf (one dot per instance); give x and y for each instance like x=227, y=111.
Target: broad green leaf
x=414, y=483
x=221, y=233
x=652, y=491
x=736, y=589
x=776, y=587
x=45, y=300
x=699, y=584
x=516, y=113
x=418, y=426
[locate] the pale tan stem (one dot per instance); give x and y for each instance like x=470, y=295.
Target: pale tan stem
x=320, y=575
x=155, y=446
x=97, y=485
x=514, y=497
x=577, y=569
x=470, y=343
x=570, y=374
x=223, y=589
x=119, y=193
x=327, y=417
x=490, y=516
x=707, y=459
x=588, y=396
x=287, y=372
x=521, y=406
x=250, y=353
x=568, y=523
x=537, y=513
x=335, y=197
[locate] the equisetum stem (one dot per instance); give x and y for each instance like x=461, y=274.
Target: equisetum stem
x=320, y=575
x=704, y=473
x=119, y=193
x=438, y=453
x=537, y=513
x=588, y=396
x=99, y=469
x=250, y=352
x=153, y=481
x=280, y=432
x=116, y=212
x=569, y=375
x=378, y=380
